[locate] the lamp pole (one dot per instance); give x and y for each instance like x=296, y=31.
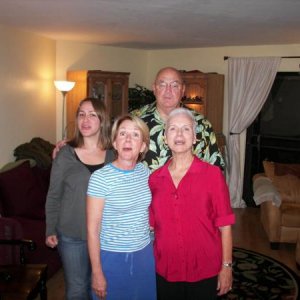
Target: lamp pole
x=64, y=87
x=63, y=129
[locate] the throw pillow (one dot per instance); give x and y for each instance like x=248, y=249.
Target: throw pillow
x=13, y=164
x=21, y=194
x=264, y=190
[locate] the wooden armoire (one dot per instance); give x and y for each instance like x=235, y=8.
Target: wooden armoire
x=204, y=92
x=110, y=87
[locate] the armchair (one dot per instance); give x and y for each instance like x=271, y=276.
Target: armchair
x=277, y=191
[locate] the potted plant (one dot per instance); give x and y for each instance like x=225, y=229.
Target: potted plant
x=139, y=96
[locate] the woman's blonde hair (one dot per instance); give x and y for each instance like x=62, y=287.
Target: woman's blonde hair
x=141, y=125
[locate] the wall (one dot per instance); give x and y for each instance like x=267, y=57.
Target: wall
x=27, y=94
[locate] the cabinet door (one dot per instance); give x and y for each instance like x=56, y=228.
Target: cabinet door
x=97, y=87
x=209, y=87
x=112, y=88
x=195, y=91
x=118, y=100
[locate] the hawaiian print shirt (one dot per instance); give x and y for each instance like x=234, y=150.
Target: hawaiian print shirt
x=206, y=147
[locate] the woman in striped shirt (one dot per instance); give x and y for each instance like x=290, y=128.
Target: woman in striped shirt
x=118, y=200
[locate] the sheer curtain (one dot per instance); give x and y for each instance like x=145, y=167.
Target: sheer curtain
x=249, y=83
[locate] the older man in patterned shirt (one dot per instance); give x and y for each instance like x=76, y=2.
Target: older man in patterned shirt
x=168, y=89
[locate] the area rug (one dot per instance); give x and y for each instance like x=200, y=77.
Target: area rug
x=256, y=276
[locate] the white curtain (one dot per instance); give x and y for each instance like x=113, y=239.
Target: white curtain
x=249, y=83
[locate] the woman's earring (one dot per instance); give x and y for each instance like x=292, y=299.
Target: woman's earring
x=165, y=140
x=140, y=155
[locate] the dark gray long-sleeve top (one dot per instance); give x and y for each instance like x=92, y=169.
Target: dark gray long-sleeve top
x=66, y=198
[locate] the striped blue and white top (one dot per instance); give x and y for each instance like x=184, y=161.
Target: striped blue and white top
x=125, y=220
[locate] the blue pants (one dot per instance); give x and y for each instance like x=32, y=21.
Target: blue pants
x=76, y=265
x=129, y=275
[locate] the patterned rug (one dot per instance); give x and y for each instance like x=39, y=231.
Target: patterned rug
x=259, y=277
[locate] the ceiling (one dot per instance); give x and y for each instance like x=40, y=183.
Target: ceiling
x=158, y=24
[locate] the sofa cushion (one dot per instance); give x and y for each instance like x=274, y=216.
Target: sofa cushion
x=21, y=194
x=289, y=187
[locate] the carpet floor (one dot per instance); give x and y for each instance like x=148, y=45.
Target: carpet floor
x=259, y=277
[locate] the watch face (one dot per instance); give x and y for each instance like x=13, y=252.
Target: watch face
x=227, y=265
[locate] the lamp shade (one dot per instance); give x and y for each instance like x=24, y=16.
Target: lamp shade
x=64, y=86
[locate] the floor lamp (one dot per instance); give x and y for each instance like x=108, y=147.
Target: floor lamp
x=64, y=87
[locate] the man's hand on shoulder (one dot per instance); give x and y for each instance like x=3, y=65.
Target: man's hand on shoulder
x=58, y=146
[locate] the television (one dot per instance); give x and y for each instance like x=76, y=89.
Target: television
x=280, y=115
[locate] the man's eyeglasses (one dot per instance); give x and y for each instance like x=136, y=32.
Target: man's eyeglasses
x=174, y=85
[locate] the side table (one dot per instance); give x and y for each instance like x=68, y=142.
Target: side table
x=23, y=282
x=298, y=252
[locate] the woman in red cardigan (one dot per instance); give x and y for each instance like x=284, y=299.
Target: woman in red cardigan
x=191, y=216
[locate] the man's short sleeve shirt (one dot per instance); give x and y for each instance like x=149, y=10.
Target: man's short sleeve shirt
x=206, y=147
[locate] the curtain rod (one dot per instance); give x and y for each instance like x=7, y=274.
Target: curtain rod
x=226, y=57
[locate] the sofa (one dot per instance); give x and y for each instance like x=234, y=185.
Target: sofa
x=23, y=190
x=277, y=192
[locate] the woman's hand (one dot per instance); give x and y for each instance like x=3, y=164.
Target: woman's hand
x=51, y=241
x=225, y=275
x=94, y=212
x=99, y=285
x=224, y=280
